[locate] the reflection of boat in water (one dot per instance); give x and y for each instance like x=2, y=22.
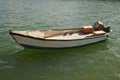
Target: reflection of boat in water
x=47, y=60
x=42, y=62
x=61, y=38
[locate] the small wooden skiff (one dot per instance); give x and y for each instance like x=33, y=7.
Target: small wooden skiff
x=59, y=38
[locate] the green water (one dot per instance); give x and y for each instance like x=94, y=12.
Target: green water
x=99, y=61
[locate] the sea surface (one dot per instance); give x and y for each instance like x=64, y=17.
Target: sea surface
x=99, y=61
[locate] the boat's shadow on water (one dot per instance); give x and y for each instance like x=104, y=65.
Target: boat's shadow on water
x=50, y=63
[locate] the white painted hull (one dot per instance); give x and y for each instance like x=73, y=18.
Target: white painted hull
x=31, y=42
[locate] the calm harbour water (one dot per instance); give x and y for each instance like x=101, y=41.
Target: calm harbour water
x=99, y=61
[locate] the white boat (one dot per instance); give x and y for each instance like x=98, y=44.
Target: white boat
x=59, y=38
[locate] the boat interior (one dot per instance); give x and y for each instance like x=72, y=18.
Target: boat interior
x=76, y=33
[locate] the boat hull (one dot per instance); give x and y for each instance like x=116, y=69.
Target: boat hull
x=31, y=42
